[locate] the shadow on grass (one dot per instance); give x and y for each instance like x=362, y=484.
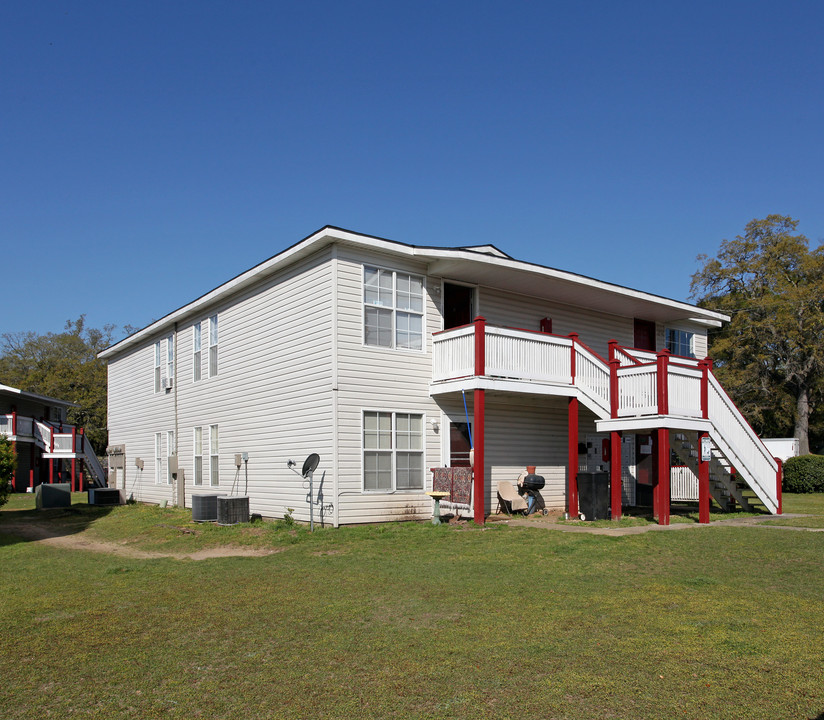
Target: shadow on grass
x=21, y=522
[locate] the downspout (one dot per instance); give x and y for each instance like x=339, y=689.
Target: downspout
x=335, y=466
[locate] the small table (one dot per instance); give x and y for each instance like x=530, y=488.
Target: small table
x=437, y=496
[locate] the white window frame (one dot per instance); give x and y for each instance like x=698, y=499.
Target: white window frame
x=158, y=455
x=170, y=357
x=171, y=450
x=197, y=344
x=214, y=456
x=393, y=452
x=197, y=454
x=683, y=340
x=213, y=345
x=396, y=309
x=157, y=367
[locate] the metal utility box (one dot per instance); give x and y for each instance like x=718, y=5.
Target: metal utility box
x=52, y=495
x=204, y=508
x=105, y=496
x=593, y=495
x=232, y=510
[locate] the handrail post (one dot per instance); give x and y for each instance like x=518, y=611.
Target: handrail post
x=574, y=338
x=614, y=364
x=662, y=360
x=613, y=349
x=480, y=345
x=14, y=421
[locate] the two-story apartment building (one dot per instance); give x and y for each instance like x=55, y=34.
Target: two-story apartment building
x=386, y=358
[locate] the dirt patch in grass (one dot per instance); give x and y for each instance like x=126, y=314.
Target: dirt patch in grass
x=35, y=532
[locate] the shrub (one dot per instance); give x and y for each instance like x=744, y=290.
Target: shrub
x=8, y=461
x=804, y=474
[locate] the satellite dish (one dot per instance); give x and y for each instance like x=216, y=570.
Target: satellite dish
x=310, y=464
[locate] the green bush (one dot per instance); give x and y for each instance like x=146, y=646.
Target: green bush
x=8, y=461
x=804, y=474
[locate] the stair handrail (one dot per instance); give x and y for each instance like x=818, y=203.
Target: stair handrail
x=93, y=464
x=741, y=459
x=44, y=433
x=598, y=393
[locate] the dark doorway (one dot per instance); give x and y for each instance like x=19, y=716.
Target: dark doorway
x=459, y=445
x=644, y=335
x=458, y=305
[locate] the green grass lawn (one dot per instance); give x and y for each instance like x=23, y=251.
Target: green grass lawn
x=409, y=621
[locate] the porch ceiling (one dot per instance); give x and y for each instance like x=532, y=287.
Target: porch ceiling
x=568, y=288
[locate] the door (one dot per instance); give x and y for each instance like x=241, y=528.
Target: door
x=459, y=445
x=458, y=305
x=644, y=335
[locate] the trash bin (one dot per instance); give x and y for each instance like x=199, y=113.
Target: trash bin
x=593, y=495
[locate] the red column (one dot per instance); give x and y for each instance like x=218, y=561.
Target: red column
x=31, y=465
x=572, y=457
x=663, y=385
x=705, y=366
x=478, y=437
x=574, y=338
x=82, y=452
x=480, y=345
x=51, y=470
x=703, y=482
x=778, y=477
x=663, y=485
x=615, y=472
x=614, y=364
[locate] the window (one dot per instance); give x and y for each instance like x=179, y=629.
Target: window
x=213, y=346
x=214, y=469
x=392, y=451
x=157, y=367
x=170, y=357
x=171, y=449
x=196, y=362
x=393, y=309
x=198, y=459
x=679, y=342
x=158, y=457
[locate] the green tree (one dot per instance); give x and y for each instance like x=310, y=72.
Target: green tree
x=770, y=356
x=65, y=366
x=8, y=461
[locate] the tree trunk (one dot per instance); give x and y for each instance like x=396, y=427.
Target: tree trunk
x=802, y=420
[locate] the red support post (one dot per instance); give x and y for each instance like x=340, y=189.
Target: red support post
x=663, y=384
x=31, y=465
x=705, y=366
x=14, y=421
x=82, y=452
x=779, y=474
x=478, y=437
x=615, y=472
x=480, y=345
x=613, y=349
x=572, y=457
x=51, y=470
x=614, y=364
x=74, y=460
x=663, y=484
x=14, y=472
x=703, y=482
x=574, y=338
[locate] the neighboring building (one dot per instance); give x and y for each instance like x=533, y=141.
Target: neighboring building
x=374, y=354
x=48, y=449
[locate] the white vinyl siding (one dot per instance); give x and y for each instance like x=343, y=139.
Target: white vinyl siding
x=197, y=363
x=213, y=346
x=393, y=309
x=198, y=456
x=392, y=451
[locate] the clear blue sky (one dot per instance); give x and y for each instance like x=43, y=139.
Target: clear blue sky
x=151, y=150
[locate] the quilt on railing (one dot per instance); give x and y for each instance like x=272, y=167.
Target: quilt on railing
x=457, y=481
